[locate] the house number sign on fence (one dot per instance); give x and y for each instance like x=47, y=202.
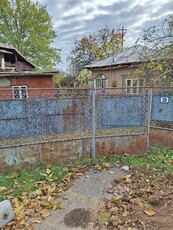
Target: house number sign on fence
x=164, y=100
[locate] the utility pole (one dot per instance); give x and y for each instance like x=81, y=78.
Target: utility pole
x=123, y=32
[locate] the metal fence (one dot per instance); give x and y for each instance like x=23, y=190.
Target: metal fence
x=162, y=107
x=49, y=115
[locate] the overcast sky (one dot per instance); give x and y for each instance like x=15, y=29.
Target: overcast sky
x=75, y=18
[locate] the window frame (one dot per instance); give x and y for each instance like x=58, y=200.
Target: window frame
x=129, y=88
x=133, y=89
x=19, y=88
x=100, y=80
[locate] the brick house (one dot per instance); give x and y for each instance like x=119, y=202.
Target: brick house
x=116, y=71
x=17, y=76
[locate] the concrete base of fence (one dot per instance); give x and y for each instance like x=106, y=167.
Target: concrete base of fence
x=134, y=144
x=55, y=152
x=161, y=136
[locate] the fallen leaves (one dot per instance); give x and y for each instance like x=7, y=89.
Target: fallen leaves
x=137, y=197
x=102, y=166
x=125, y=213
x=149, y=212
x=117, y=199
x=44, y=212
x=36, y=221
x=127, y=178
x=50, y=203
x=106, y=165
x=36, y=205
x=3, y=189
x=13, y=175
x=104, y=217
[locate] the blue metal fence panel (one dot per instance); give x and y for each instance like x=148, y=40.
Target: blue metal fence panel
x=12, y=109
x=42, y=116
x=13, y=118
x=121, y=111
x=162, y=108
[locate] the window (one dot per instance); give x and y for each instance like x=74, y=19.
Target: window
x=141, y=83
x=129, y=83
x=20, y=92
x=10, y=58
x=101, y=81
x=91, y=83
x=134, y=86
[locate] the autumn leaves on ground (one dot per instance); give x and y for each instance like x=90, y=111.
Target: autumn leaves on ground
x=142, y=198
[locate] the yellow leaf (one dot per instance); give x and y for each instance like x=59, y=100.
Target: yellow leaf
x=36, y=221
x=30, y=227
x=73, y=170
x=7, y=227
x=30, y=212
x=13, y=175
x=69, y=174
x=104, y=217
x=59, y=204
x=20, y=216
x=50, y=199
x=2, y=189
x=149, y=212
x=98, y=167
x=106, y=164
x=50, y=179
x=125, y=213
x=18, y=208
x=46, y=203
x=44, y=211
x=38, y=192
x=51, y=189
x=116, y=199
x=22, y=222
x=48, y=171
x=50, y=175
x=127, y=178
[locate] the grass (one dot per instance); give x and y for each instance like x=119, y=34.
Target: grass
x=157, y=161
x=17, y=182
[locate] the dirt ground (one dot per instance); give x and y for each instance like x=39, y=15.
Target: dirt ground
x=114, y=199
x=147, y=203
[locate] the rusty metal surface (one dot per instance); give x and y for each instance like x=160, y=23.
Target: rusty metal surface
x=134, y=144
x=20, y=157
x=161, y=136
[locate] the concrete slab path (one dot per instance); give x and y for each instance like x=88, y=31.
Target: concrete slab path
x=81, y=206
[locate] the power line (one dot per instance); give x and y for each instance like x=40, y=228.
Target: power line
x=123, y=30
x=129, y=14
